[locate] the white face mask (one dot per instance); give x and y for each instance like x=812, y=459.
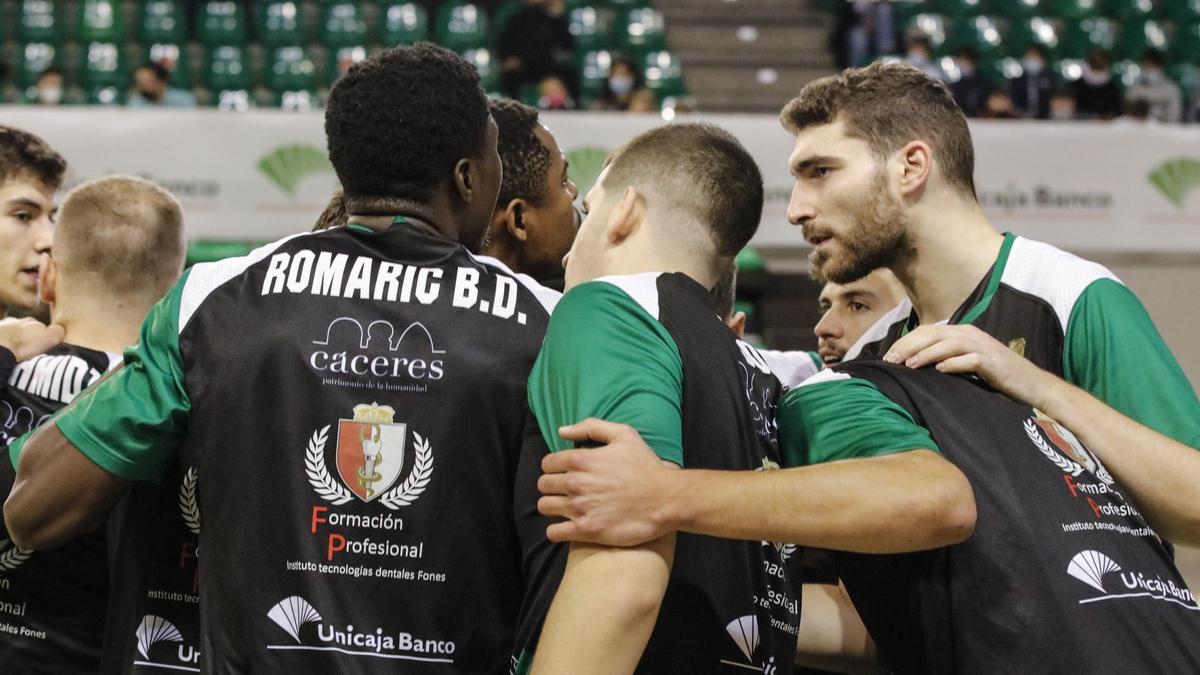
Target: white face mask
x=1033, y=66
x=50, y=95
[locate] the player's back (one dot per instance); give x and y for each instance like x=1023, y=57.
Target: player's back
x=357, y=402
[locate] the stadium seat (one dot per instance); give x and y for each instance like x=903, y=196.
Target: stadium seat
x=226, y=68
x=40, y=21
x=233, y=100
x=1186, y=75
x=486, y=63
x=1036, y=30
x=33, y=58
x=281, y=24
x=290, y=69
x=1069, y=70
x=905, y=10
x=102, y=65
x=640, y=30
x=981, y=33
x=1081, y=37
x=1185, y=44
x=403, y=23
x=1020, y=9
x=341, y=59
x=957, y=8
x=161, y=21
x=1073, y=9
x=932, y=27
x=295, y=100
x=1128, y=9
x=591, y=28
x=1001, y=71
x=462, y=26
x=173, y=57
x=1135, y=37
x=106, y=95
x=343, y=25
x=594, y=67
x=1181, y=11
x=99, y=21
x=221, y=23
x=504, y=12
x=664, y=74
x=1126, y=73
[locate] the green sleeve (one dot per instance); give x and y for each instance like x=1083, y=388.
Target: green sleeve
x=131, y=422
x=606, y=357
x=837, y=417
x=1113, y=350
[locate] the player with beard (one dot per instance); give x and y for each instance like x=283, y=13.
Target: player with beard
x=265, y=374
x=118, y=247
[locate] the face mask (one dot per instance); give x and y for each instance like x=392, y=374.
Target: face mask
x=554, y=102
x=917, y=59
x=50, y=95
x=1062, y=114
x=1033, y=66
x=620, y=84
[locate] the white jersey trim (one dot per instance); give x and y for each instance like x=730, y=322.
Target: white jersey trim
x=880, y=328
x=826, y=375
x=1049, y=273
x=791, y=368
x=642, y=287
x=547, y=297
x=208, y=277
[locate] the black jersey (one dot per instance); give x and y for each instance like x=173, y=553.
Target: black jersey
x=52, y=602
x=648, y=350
x=352, y=403
x=1062, y=573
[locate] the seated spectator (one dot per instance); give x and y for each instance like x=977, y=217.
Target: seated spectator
x=1162, y=97
x=48, y=90
x=970, y=89
x=643, y=101
x=553, y=94
x=998, y=106
x=1062, y=105
x=1137, y=112
x=1096, y=92
x=864, y=31
x=1031, y=91
x=920, y=55
x=624, y=82
x=151, y=83
x=535, y=42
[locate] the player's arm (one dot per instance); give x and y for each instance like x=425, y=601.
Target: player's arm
x=832, y=636
x=604, y=354
x=867, y=479
x=1157, y=470
x=72, y=471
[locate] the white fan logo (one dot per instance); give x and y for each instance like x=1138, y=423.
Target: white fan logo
x=155, y=629
x=1090, y=568
x=292, y=613
x=744, y=631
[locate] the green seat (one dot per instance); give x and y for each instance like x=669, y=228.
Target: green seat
x=462, y=26
x=981, y=33
x=291, y=69
x=957, y=8
x=40, y=21
x=640, y=30
x=1069, y=70
x=102, y=65
x=504, y=12
x=281, y=24
x=173, y=57
x=1001, y=71
x=227, y=68
x=1081, y=37
x=591, y=28
x=906, y=10
x=1181, y=11
x=342, y=59
x=1128, y=9
x=104, y=95
x=932, y=27
x=233, y=100
x=343, y=25
x=664, y=74
x=100, y=21
x=220, y=23
x=1185, y=44
x=1020, y=9
x=1125, y=73
x=1135, y=37
x=161, y=21
x=487, y=65
x=33, y=58
x=403, y=23
x=1186, y=75
x=594, y=67
x=297, y=100
x=1036, y=30
x=1074, y=9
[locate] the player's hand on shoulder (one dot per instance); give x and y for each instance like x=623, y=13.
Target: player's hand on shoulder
x=26, y=338
x=614, y=495
x=967, y=349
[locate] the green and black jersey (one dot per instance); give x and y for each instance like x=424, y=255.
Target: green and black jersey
x=52, y=603
x=1062, y=574
x=352, y=404
x=648, y=350
x=1075, y=319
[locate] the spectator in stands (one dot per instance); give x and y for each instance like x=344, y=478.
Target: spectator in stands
x=1062, y=105
x=553, y=94
x=152, y=87
x=998, y=106
x=535, y=42
x=1137, y=112
x=865, y=30
x=970, y=89
x=1096, y=92
x=643, y=101
x=625, y=80
x=920, y=55
x=1162, y=97
x=1031, y=91
x=48, y=90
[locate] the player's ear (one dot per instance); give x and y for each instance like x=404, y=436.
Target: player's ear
x=514, y=219
x=466, y=179
x=737, y=324
x=47, y=279
x=915, y=167
x=627, y=216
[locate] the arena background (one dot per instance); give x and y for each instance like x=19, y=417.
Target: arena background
x=1125, y=193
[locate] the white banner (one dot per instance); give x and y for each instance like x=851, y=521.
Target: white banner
x=261, y=175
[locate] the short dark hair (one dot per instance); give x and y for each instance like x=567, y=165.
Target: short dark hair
x=24, y=154
x=334, y=214
x=49, y=71
x=703, y=171
x=1154, y=57
x=398, y=122
x=889, y=105
x=1040, y=49
x=160, y=71
x=524, y=157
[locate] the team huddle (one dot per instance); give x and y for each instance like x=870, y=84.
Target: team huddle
x=462, y=426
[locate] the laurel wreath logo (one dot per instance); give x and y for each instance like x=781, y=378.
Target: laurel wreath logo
x=318, y=473
x=786, y=551
x=329, y=489
x=187, y=501
x=412, y=487
x=1031, y=429
x=13, y=557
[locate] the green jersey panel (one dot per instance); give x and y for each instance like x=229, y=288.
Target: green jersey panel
x=835, y=416
x=605, y=356
x=1114, y=351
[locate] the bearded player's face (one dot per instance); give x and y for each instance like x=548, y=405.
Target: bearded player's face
x=845, y=204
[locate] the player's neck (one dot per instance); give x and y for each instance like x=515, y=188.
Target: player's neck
x=947, y=257
x=104, y=327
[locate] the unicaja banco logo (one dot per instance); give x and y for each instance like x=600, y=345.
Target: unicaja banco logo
x=1176, y=178
x=1090, y=568
x=287, y=165
x=292, y=613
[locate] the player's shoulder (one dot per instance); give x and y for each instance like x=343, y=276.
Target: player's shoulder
x=618, y=293
x=545, y=296
x=1051, y=274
